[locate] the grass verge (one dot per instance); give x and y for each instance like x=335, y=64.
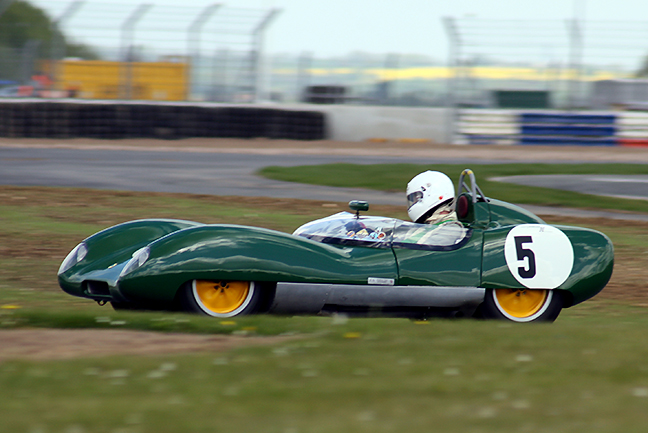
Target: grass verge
x=583, y=373
x=586, y=372
x=394, y=177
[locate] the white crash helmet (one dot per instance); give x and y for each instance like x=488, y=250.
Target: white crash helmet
x=427, y=191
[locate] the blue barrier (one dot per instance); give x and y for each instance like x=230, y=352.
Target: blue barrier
x=568, y=130
x=567, y=118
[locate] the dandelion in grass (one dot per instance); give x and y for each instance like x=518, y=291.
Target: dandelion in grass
x=352, y=335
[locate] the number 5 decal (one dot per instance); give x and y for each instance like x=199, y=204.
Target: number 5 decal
x=523, y=253
x=538, y=256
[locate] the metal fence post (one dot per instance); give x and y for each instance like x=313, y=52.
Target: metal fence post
x=28, y=56
x=57, y=42
x=454, y=54
x=304, y=64
x=575, y=62
x=257, y=53
x=193, y=41
x=389, y=95
x=126, y=53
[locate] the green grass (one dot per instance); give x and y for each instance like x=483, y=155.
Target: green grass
x=586, y=372
x=394, y=177
x=358, y=375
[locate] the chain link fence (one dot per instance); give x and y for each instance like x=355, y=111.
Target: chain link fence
x=564, y=59
x=140, y=51
x=218, y=53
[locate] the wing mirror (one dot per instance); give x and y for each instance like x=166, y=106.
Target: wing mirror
x=358, y=206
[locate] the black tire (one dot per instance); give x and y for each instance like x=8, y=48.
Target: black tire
x=536, y=305
x=223, y=299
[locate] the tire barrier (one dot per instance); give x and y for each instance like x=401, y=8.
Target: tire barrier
x=552, y=128
x=68, y=119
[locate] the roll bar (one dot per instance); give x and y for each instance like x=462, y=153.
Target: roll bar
x=474, y=189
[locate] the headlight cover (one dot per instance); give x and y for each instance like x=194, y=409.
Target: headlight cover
x=76, y=255
x=139, y=258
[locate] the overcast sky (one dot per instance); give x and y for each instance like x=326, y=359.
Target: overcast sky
x=334, y=27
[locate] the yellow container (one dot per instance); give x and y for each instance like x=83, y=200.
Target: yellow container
x=99, y=79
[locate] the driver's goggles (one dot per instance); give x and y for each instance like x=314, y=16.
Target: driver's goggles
x=414, y=198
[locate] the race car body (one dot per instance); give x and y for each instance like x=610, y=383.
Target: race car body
x=496, y=261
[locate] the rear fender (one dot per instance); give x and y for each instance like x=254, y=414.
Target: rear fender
x=590, y=271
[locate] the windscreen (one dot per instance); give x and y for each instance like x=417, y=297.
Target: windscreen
x=345, y=228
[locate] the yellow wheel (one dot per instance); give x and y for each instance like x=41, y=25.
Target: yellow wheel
x=522, y=305
x=222, y=298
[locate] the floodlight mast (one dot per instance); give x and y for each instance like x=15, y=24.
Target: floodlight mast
x=194, y=33
x=257, y=53
x=127, y=33
x=454, y=56
x=57, y=47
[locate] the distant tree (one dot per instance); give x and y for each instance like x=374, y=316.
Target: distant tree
x=27, y=33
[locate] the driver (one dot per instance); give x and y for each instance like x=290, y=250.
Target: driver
x=430, y=198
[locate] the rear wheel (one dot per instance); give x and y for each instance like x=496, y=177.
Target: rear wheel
x=522, y=305
x=225, y=298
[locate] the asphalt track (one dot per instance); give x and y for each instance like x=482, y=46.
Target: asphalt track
x=232, y=174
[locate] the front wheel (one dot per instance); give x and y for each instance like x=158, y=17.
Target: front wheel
x=522, y=305
x=225, y=298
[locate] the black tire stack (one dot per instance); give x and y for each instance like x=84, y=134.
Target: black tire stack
x=63, y=119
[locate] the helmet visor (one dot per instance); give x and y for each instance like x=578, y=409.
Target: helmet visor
x=414, y=198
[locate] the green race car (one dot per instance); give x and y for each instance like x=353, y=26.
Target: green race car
x=497, y=261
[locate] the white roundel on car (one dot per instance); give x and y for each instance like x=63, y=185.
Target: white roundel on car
x=539, y=256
